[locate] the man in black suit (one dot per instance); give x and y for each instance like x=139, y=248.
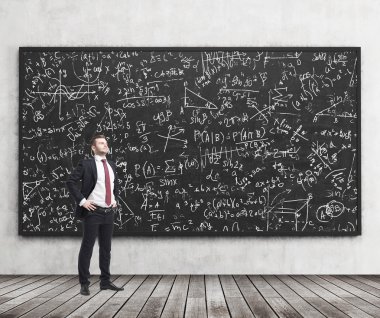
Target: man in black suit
x=96, y=206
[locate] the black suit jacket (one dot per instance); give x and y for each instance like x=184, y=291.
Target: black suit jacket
x=86, y=171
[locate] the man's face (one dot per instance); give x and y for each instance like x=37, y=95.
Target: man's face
x=101, y=146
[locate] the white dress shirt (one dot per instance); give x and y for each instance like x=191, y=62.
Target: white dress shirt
x=98, y=195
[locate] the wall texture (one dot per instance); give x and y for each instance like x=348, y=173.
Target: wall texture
x=194, y=23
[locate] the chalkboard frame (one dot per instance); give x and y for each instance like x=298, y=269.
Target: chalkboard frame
x=272, y=234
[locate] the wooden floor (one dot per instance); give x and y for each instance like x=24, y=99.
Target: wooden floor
x=193, y=296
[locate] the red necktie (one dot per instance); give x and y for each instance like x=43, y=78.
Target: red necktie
x=108, y=183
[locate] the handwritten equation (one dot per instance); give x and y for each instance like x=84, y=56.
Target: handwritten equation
x=207, y=141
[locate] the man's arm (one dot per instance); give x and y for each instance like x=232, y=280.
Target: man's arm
x=71, y=183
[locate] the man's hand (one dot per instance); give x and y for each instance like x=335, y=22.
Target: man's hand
x=114, y=205
x=89, y=206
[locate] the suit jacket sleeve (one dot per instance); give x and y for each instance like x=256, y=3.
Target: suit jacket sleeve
x=72, y=180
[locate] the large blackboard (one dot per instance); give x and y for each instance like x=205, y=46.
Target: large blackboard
x=207, y=141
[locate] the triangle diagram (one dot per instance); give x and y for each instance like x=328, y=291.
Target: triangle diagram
x=28, y=188
x=193, y=99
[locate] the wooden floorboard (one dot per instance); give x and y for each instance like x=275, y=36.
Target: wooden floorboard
x=196, y=298
x=215, y=301
x=281, y=307
x=332, y=295
x=312, y=298
x=193, y=296
x=296, y=301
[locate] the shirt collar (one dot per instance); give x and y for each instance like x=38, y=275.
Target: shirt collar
x=98, y=158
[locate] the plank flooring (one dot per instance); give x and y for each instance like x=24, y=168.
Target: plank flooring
x=193, y=296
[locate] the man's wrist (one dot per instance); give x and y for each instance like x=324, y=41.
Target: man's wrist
x=82, y=201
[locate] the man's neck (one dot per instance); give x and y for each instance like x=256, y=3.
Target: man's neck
x=102, y=156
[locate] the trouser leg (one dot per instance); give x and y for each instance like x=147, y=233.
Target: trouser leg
x=105, y=237
x=90, y=232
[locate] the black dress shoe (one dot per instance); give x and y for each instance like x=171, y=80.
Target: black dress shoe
x=110, y=286
x=84, y=289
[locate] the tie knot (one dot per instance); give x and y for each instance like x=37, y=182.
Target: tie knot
x=104, y=160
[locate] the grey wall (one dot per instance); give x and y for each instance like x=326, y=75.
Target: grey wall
x=192, y=23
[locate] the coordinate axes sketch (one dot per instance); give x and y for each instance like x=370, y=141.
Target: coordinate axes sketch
x=207, y=141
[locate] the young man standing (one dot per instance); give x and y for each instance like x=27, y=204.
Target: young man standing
x=95, y=207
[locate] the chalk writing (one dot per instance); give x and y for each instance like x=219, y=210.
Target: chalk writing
x=207, y=141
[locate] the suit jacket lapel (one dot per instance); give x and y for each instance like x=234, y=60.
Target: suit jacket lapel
x=113, y=166
x=93, y=168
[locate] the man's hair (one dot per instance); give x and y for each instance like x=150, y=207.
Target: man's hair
x=94, y=137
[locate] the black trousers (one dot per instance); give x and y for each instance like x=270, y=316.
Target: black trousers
x=96, y=224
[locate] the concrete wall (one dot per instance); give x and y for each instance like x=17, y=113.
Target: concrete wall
x=192, y=23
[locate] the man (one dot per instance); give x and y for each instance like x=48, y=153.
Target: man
x=96, y=205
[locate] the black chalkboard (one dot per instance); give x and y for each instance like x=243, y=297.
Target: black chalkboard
x=207, y=141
